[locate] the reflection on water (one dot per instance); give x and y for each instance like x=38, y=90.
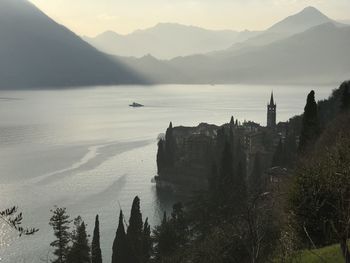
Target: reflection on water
x=87, y=150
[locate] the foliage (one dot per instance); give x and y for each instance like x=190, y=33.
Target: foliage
x=255, y=180
x=345, y=99
x=170, y=146
x=96, y=254
x=164, y=238
x=310, y=124
x=172, y=235
x=80, y=250
x=14, y=219
x=147, y=244
x=330, y=254
x=122, y=252
x=320, y=198
x=60, y=224
x=135, y=229
x=161, y=158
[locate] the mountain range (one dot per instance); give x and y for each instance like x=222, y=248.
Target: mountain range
x=167, y=40
x=318, y=55
x=37, y=52
x=307, y=47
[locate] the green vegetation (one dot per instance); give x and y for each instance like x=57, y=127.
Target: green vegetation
x=96, y=254
x=13, y=219
x=60, y=223
x=330, y=254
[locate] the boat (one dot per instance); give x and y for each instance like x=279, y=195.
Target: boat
x=136, y=105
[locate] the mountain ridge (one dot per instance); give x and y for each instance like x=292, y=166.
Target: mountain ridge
x=37, y=52
x=165, y=41
x=316, y=56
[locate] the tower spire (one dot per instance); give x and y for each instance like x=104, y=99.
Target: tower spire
x=272, y=100
x=271, y=113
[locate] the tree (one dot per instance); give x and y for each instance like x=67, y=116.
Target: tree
x=230, y=187
x=213, y=180
x=60, y=224
x=256, y=177
x=13, y=219
x=96, y=254
x=278, y=157
x=147, y=245
x=170, y=145
x=345, y=99
x=290, y=149
x=161, y=158
x=261, y=227
x=135, y=229
x=225, y=184
x=240, y=191
x=165, y=239
x=179, y=222
x=310, y=124
x=80, y=250
x=122, y=252
x=232, y=121
x=320, y=197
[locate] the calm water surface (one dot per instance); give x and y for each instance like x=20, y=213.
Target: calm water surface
x=86, y=150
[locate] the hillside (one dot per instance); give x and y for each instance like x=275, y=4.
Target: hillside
x=37, y=52
x=331, y=254
x=317, y=55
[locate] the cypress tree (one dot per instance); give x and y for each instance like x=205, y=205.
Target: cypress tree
x=220, y=141
x=213, y=180
x=121, y=249
x=170, y=146
x=345, y=99
x=240, y=190
x=232, y=121
x=147, y=242
x=80, y=251
x=96, y=254
x=225, y=184
x=135, y=229
x=291, y=149
x=161, y=159
x=232, y=140
x=255, y=179
x=278, y=157
x=60, y=224
x=165, y=239
x=310, y=124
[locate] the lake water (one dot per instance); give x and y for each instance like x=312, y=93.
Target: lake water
x=86, y=150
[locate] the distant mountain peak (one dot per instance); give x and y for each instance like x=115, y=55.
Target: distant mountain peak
x=165, y=24
x=311, y=11
x=108, y=33
x=301, y=21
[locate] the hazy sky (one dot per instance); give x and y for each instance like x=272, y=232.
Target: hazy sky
x=90, y=17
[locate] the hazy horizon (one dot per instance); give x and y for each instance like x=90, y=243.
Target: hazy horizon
x=98, y=16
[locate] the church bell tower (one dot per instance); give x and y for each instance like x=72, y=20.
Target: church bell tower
x=271, y=113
